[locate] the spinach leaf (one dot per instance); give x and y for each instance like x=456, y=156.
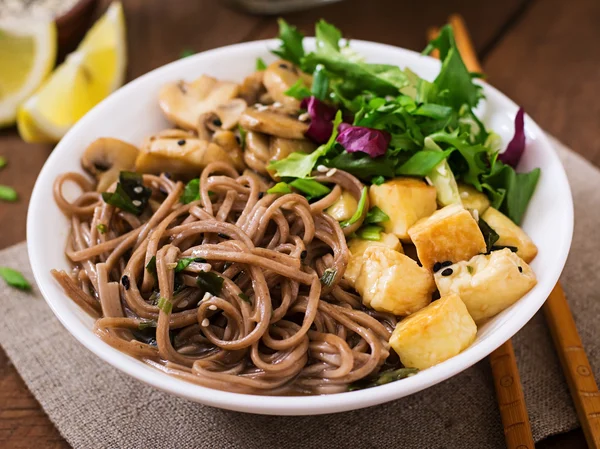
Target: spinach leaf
x=489, y=235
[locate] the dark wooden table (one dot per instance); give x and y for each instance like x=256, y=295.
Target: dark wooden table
x=539, y=52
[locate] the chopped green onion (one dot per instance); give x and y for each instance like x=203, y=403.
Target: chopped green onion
x=329, y=276
x=151, y=266
x=2, y=162
x=299, y=91
x=102, y=228
x=359, y=210
x=210, y=282
x=186, y=52
x=384, y=378
x=310, y=187
x=165, y=305
x=370, y=232
x=260, y=64
x=378, y=180
x=280, y=187
x=470, y=269
x=245, y=298
x=14, y=278
x=183, y=263
x=243, y=133
x=320, y=84
x=376, y=215
x=191, y=192
x=8, y=194
x=145, y=324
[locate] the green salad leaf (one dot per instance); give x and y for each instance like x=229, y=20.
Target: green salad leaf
x=290, y=47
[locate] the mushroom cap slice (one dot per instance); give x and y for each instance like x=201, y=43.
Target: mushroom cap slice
x=183, y=102
x=229, y=113
x=181, y=156
x=273, y=123
x=278, y=78
x=256, y=154
x=280, y=148
x=252, y=87
x=106, y=157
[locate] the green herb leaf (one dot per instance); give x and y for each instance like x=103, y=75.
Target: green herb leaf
x=290, y=46
x=165, y=305
x=244, y=297
x=186, y=52
x=470, y=269
x=489, y=235
x=362, y=165
x=183, y=263
x=280, y=188
x=376, y=215
x=102, y=229
x=191, y=192
x=243, y=133
x=378, y=180
x=362, y=202
x=299, y=91
x=151, y=266
x=130, y=195
x=8, y=194
x=260, y=64
x=210, y=282
x=370, y=232
x=14, y=278
x=300, y=165
x=422, y=163
x=328, y=277
x=320, y=85
x=145, y=324
x=2, y=162
x=311, y=188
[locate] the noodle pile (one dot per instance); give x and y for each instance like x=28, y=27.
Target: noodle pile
x=273, y=328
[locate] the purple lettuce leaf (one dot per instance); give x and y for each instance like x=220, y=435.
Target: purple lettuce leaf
x=321, y=119
x=516, y=147
x=374, y=142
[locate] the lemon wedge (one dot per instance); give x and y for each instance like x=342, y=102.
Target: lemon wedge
x=28, y=53
x=87, y=76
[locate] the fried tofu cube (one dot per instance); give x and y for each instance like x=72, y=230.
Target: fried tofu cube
x=344, y=207
x=510, y=234
x=358, y=247
x=488, y=283
x=472, y=199
x=389, y=281
x=450, y=234
x=405, y=201
x=436, y=333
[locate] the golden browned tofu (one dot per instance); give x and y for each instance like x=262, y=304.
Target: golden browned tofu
x=358, y=247
x=436, y=333
x=472, y=199
x=487, y=284
x=344, y=207
x=510, y=234
x=389, y=281
x=404, y=200
x=450, y=234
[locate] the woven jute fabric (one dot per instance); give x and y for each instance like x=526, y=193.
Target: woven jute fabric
x=95, y=406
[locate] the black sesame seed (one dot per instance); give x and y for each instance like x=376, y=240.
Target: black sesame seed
x=520, y=269
x=217, y=122
x=260, y=195
x=447, y=272
x=437, y=267
x=125, y=282
x=303, y=254
x=446, y=264
x=238, y=140
x=181, y=142
x=200, y=260
x=223, y=236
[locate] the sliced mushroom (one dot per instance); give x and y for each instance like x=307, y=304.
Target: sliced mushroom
x=180, y=156
x=229, y=113
x=280, y=148
x=208, y=124
x=229, y=142
x=252, y=87
x=256, y=154
x=262, y=182
x=106, y=157
x=278, y=78
x=275, y=122
x=183, y=102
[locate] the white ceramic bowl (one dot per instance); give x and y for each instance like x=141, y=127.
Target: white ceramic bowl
x=132, y=113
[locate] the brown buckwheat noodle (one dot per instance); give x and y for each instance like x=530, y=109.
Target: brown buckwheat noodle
x=274, y=328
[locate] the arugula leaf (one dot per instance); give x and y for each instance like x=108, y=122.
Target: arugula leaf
x=300, y=165
x=376, y=215
x=423, y=162
x=191, y=192
x=320, y=84
x=14, y=278
x=290, y=46
x=299, y=91
x=362, y=202
x=370, y=232
x=489, y=235
x=210, y=282
x=280, y=187
x=260, y=64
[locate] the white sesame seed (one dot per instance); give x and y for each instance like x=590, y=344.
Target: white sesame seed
x=206, y=296
x=277, y=104
x=464, y=194
x=322, y=168
x=212, y=307
x=304, y=117
x=206, y=267
x=205, y=322
x=138, y=189
x=170, y=266
x=137, y=203
x=428, y=180
x=261, y=107
x=331, y=172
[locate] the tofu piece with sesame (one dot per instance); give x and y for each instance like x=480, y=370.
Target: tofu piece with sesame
x=389, y=281
x=436, y=333
x=358, y=247
x=450, y=234
x=344, y=207
x=488, y=283
x=405, y=201
x=510, y=234
x=472, y=199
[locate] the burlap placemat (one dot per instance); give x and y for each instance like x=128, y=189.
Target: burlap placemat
x=96, y=406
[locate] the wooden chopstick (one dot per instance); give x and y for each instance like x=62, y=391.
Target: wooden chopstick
x=575, y=364
x=509, y=392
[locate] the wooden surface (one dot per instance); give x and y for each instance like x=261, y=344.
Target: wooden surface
x=542, y=53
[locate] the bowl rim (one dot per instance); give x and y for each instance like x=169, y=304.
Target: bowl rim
x=285, y=405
